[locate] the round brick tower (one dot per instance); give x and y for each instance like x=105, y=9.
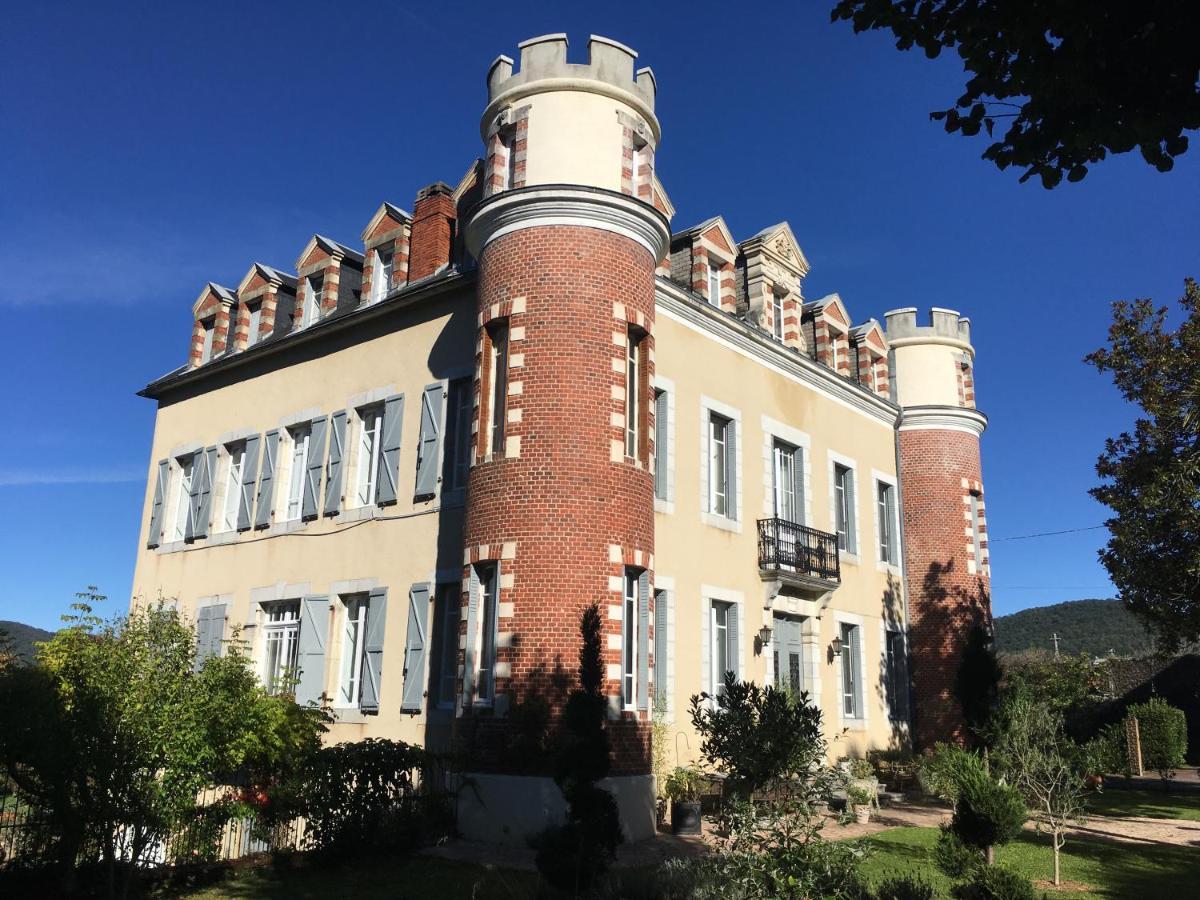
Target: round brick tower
x=945, y=532
x=560, y=509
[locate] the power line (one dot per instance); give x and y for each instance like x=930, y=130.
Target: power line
x=1025, y=537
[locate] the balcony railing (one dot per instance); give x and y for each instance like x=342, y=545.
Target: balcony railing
x=790, y=547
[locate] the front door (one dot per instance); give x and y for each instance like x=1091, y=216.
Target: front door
x=789, y=652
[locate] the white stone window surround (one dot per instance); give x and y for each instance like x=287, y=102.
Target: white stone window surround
x=733, y=522
x=775, y=430
x=859, y=723
x=261, y=598
x=886, y=628
x=664, y=585
x=877, y=478
x=709, y=593
x=716, y=258
x=662, y=383
x=837, y=459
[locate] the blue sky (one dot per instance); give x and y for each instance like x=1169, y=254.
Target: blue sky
x=151, y=147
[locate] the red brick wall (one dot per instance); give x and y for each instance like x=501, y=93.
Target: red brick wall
x=563, y=501
x=944, y=598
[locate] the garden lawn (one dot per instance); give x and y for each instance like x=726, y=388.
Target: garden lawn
x=1110, y=869
x=1156, y=804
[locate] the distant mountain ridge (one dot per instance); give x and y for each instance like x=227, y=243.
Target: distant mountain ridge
x=1095, y=627
x=22, y=637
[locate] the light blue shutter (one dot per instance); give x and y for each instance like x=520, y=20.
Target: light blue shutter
x=660, y=646
x=193, y=509
x=731, y=500
x=660, y=445
x=643, y=641
x=266, y=486
x=313, y=469
x=154, y=538
x=203, y=623
x=314, y=635
x=798, y=475
x=429, y=448
x=204, y=508
x=389, y=467
x=473, y=591
x=735, y=641
x=372, y=677
x=851, y=513
x=249, y=478
x=856, y=665
x=415, y=652
x=333, y=474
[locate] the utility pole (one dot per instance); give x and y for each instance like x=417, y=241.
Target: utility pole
x=1054, y=637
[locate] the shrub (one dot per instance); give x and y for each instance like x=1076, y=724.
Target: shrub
x=987, y=813
x=803, y=869
x=906, y=887
x=954, y=857
x=684, y=785
x=994, y=883
x=1108, y=751
x=1163, y=730
x=362, y=797
x=943, y=772
x=860, y=768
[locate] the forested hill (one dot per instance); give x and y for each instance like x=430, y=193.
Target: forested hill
x=21, y=638
x=1083, y=626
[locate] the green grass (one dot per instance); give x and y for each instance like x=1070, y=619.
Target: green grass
x=1156, y=804
x=1113, y=870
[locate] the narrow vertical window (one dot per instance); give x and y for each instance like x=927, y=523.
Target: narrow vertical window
x=787, y=506
x=312, y=299
x=282, y=644
x=299, y=463
x=661, y=441
x=714, y=284
x=633, y=391
x=367, y=464
x=255, y=324
x=449, y=604
x=843, y=501
x=718, y=476
x=850, y=669
x=489, y=599
x=977, y=531
x=635, y=164
x=353, y=649
x=888, y=546
x=458, y=435
x=183, y=498
x=721, y=652
x=498, y=379
x=897, y=676
x=834, y=351
x=233, y=486
x=206, y=349
x=629, y=636
x=381, y=283
x=777, y=314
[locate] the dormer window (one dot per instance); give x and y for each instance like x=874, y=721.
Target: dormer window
x=714, y=284
x=312, y=299
x=255, y=310
x=777, y=314
x=381, y=280
x=210, y=326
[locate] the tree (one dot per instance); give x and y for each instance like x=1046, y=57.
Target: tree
x=986, y=813
x=977, y=684
x=1074, y=81
x=1046, y=766
x=128, y=731
x=1150, y=478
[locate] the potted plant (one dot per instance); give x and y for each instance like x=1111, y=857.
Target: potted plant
x=683, y=790
x=860, y=800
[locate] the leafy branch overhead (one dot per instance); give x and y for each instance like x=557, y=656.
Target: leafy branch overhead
x=1063, y=84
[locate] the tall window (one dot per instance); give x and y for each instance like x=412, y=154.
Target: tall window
x=183, y=498
x=977, y=530
x=897, y=676
x=723, y=653
x=788, y=653
x=488, y=601
x=312, y=298
x=353, y=643
x=381, y=282
x=777, y=314
x=843, y=506
x=449, y=603
x=889, y=547
x=299, y=436
x=787, y=468
x=233, y=486
x=629, y=636
x=718, y=468
x=633, y=392
x=458, y=435
x=255, y=324
x=367, y=464
x=661, y=440
x=634, y=165
x=282, y=644
x=714, y=284
x=498, y=379
x=851, y=688
x=206, y=348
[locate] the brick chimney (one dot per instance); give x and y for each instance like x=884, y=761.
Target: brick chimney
x=432, y=236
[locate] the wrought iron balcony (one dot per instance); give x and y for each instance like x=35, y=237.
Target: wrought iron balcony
x=793, y=549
